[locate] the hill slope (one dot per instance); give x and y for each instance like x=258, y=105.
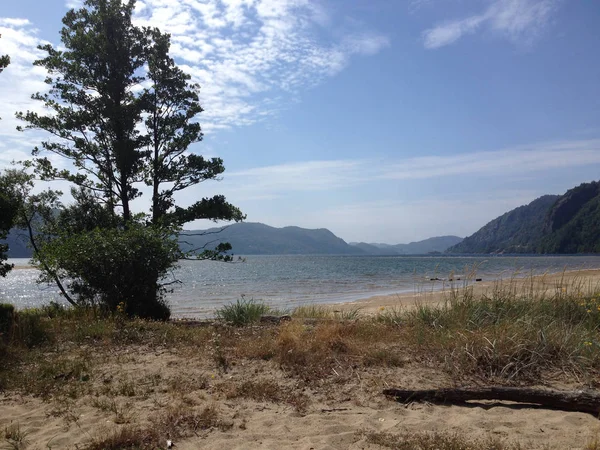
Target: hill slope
x=517, y=231
x=257, y=238
x=434, y=244
x=573, y=223
x=17, y=245
x=568, y=223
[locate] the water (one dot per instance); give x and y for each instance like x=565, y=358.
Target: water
x=290, y=280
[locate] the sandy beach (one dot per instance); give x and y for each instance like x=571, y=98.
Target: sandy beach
x=437, y=292
x=134, y=385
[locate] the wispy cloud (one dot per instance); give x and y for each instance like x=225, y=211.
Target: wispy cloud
x=328, y=175
x=521, y=21
x=516, y=161
x=252, y=56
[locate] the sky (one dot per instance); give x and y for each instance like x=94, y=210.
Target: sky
x=383, y=121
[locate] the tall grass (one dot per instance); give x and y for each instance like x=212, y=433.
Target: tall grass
x=514, y=332
x=242, y=312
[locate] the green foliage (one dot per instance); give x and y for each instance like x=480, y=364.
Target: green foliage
x=31, y=329
x=7, y=318
x=242, y=312
x=107, y=267
x=573, y=224
x=551, y=224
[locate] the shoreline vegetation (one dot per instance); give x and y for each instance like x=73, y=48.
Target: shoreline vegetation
x=432, y=291
x=70, y=378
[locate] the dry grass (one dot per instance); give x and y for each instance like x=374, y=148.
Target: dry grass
x=177, y=422
x=14, y=437
x=435, y=441
x=266, y=391
x=514, y=334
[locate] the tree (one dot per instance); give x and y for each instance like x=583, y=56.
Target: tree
x=98, y=110
x=171, y=104
x=8, y=207
x=94, y=111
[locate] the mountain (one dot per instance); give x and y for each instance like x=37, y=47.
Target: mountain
x=573, y=223
x=568, y=223
x=17, y=245
x=258, y=239
x=517, y=231
x=374, y=249
x=432, y=245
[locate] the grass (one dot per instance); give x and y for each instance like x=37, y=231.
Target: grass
x=511, y=335
x=14, y=437
x=434, y=441
x=179, y=421
x=266, y=391
x=242, y=312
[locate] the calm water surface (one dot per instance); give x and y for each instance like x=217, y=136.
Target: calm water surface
x=290, y=280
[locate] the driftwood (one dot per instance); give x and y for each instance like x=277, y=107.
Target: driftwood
x=581, y=401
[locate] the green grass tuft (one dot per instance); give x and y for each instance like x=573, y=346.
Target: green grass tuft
x=242, y=312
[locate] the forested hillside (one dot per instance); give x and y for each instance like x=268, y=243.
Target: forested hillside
x=568, y=223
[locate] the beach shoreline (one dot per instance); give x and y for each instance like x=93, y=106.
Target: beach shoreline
x=588, y=278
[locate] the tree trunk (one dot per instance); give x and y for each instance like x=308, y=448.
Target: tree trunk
x=581, y=401
x=51, y=272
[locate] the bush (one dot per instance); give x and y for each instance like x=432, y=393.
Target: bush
x=7, y=317
x=30, y=328
x=109, y=267
x=242, y=312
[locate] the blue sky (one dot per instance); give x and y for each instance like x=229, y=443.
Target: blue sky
x=384, y=121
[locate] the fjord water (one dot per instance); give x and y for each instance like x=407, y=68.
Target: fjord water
x=290, y=280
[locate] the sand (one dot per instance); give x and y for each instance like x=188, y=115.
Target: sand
x=339, y=413
x=437, y=292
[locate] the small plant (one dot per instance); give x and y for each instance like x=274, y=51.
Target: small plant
x=15, y=438
x=350, y=314
x=393, y=316
x=242, y=312
x=312, y=312
x=267, y=391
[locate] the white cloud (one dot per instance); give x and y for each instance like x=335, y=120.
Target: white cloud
x=524, y=159
x=17, y=83
x=521, y=21
x=397, y=222
x=328, y=175
x=251, y=56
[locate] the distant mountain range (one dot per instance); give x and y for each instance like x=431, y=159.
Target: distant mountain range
x=437, y=244
x=568, y=223
x=249, y=238
x=259, y=239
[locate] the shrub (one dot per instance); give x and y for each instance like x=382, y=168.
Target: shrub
x=108, y=267
x=7, y=317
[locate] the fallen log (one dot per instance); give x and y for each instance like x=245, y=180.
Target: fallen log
x=580, y=401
